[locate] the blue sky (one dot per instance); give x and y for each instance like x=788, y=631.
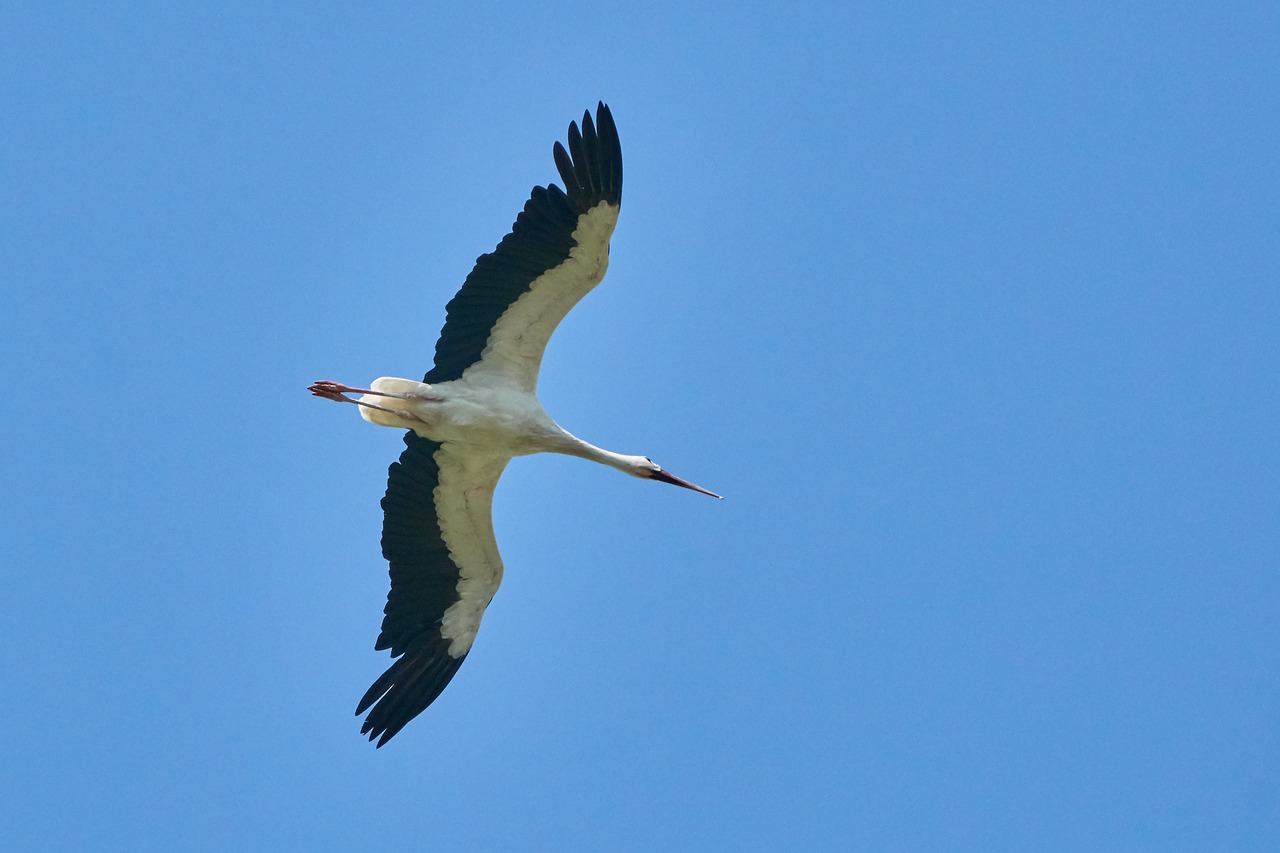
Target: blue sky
x=969, y=310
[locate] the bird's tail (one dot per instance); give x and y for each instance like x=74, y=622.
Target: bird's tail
x=395, y=395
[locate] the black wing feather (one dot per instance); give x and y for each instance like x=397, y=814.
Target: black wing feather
x=424, y=581
x=540, y=239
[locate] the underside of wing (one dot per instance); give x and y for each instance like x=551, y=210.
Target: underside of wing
x=437, y=535
x=556, y=252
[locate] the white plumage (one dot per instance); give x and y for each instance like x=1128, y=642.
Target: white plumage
x=475, y=411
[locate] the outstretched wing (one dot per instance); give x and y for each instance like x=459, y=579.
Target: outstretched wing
x=437, y=533
x=558, y=249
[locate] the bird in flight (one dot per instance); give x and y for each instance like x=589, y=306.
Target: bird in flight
x=475, y=411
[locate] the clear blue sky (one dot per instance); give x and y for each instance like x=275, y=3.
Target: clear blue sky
x=971, y=311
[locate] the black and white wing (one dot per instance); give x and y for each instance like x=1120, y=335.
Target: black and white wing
x=500, y=321
x=437, y=534
x=437, y=530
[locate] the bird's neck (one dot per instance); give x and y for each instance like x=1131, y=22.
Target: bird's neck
x=574, y=446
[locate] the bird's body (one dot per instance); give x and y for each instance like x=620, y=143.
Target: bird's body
x=478, y=416
x=474, y=412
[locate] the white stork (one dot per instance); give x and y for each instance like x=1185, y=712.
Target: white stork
x=473, y=413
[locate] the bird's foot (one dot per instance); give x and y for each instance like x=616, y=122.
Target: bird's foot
x=338, y=392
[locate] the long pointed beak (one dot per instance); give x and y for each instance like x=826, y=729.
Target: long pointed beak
x=668, y=477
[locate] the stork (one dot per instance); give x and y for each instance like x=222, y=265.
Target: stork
x=475, y=411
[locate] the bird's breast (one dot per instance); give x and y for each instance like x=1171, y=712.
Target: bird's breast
x=500, y=419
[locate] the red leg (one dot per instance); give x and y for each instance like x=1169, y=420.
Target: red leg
x=335, y=390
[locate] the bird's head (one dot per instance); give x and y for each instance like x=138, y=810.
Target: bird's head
x=647, y=469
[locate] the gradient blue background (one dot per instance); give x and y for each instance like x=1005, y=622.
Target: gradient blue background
x=971, y=311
